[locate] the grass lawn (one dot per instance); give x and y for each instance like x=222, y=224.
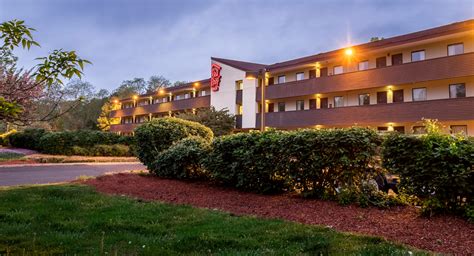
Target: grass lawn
x=74, y=219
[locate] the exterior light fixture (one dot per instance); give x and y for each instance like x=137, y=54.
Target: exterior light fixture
x=116, y=101
x=349, y=52
x=135, y=97
x=161, y=91
x=196, y=84
x=390, y=127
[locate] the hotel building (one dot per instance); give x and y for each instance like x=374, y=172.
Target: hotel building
x=388, y=84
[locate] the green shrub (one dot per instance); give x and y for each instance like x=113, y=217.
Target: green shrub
x=58, y=143
x=102, y=150
x=80, y=151
x=183, y=160
x=248, y=161
x=314, y=162
x=29, y=139
x=159, y=134
x=436, y=168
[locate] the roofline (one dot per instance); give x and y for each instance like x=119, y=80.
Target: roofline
x=238, y=65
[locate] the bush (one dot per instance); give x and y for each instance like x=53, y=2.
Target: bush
x=436, y=168
x=248, y=161
x=102, y=150
x=159, y=134
x=29, y=139
x=183, y=160
x=314, y=162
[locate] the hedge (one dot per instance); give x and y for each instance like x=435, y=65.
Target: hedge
x=436, y=168
x=69, y=142
x=159, y=134
x=183, y=160
x=314, y=162
x=103, y=150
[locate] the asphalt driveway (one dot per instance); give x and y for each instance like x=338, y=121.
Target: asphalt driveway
x=51, y=173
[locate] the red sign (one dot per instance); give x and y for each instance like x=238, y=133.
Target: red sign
x=215, y=77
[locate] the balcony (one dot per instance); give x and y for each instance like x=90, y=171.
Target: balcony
x=198, y=102
x=427, y=70
x=443, y=110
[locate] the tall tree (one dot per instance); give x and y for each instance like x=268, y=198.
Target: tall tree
x=104, y=121
x=157, y=82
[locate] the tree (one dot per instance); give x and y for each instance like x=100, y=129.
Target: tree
x=104, y=121
x=375, y=39
x=178, y=83
x=220, y=121
x=128, y=88
x=157, y=82
x=18, y=89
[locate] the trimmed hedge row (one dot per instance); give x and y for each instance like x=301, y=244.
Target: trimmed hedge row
x=63, y=143
x=103, y=150
x=314, y=162
x=436, y=168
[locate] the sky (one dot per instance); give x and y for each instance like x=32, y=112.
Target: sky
x=125, y=39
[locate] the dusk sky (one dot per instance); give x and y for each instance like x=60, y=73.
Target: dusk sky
x=176, y=38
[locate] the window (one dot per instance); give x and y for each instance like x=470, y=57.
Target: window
x=338, y=70
x=363, y=65
x=398, y=95
x=271, y=107
x=187, y=96
x=271, y=80
x=399, y=129
x=419, y=94
x=457, y=90
x=338, y=101
x=364, y=99
x=281, y=106
x=239, y=85
x=381, y=97
x=281, y=79
x=397, y=59
x=240, y=109
x=165, y=99
x=203, y=93
x=312, y=104
x=419, y=130
x=312, y=73
x=299, y=76
x=299, y=105
x=324, y=103
x=455, y=49
x=418, y=55
x=459, y=129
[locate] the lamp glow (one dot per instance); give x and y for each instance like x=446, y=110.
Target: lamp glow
x=349, y=52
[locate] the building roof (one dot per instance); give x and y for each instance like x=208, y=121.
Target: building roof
x=388, y=42
x=242, y=65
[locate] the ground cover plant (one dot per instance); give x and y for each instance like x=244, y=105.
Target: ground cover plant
x=7, y=156
x=74, y=219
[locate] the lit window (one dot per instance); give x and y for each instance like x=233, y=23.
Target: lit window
x=338, y=70
x=299, y=105
x=364, y=99
x=457, y=90
x=419, y=94
x=338, y=101
x=281, y=106
x=459, y=129
x=455, y=49
x=418, y=55
x=239, y=85
x=299, y=76
x=363, y=65
x=281, y=79
x=203, y=93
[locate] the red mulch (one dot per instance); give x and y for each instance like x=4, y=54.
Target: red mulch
x=16, y=162
x=447, y=234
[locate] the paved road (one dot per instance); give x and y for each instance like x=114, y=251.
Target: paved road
x=50, y=173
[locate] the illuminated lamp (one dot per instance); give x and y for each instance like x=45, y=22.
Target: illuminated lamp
x=349, y=52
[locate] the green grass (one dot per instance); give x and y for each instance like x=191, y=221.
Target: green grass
x=74, y=219
x=6, y=156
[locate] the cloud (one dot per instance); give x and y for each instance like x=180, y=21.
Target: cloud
x=126, y=39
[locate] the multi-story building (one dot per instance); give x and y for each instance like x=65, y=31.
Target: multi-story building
x=389, y=84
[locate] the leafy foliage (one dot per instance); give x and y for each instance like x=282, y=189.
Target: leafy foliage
x=102, y=150
x=105, y=121
x=182, y=160
x=29, y=138
x=14, y=33
x=220, y=121
x=435, y=167
x=159, y=134
x=314, y=162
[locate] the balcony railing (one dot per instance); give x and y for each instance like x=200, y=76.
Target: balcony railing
x=413, y=72
x=443, y=110
x=198, y=102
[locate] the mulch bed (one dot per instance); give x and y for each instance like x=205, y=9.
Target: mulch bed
x=447, y=234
